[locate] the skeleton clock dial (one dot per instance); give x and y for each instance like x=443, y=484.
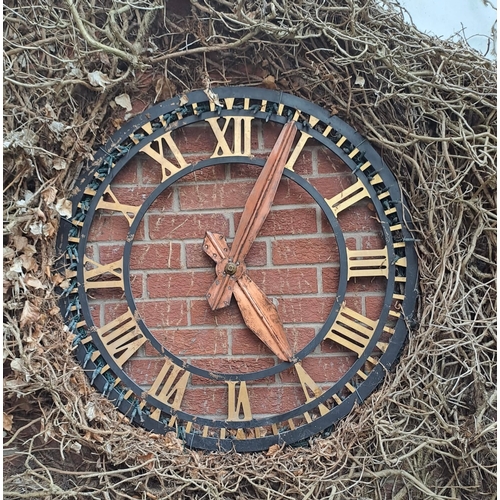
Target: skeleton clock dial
x=240, y=269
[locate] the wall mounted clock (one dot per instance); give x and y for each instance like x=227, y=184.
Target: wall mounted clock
x=239, y=267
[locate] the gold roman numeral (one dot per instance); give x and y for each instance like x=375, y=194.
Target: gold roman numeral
x=238, y=403
x=122, y=337
x=114, y=269
x=304, y=137
x=169, y=387
x=242, y=136
x=128, y=211
x=354, y=193
x=363, y=263
x=311, y=390
x=156, y=151
x=353, y=330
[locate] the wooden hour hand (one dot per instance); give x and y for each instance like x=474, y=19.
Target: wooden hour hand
x=259, y=313
x=254, y=214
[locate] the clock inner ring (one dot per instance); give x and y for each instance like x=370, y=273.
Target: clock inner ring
x=181, y=285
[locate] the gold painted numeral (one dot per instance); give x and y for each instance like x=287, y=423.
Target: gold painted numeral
x=304, y=137
x=115, y=269
x=348, y=197
x=353, y=330
x=310, y=386
x=238, y=403
x=157, y=152
x=363, y=263
x=401, y=262
x=169, y=387
x=122, y=337
x=351, y=195
x=129, y=211
x=242, y=136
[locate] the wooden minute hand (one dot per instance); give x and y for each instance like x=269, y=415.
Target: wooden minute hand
x=261, y=197
x=257, y=310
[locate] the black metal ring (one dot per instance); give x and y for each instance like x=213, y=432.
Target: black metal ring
x=354, y=141
x=283, y=365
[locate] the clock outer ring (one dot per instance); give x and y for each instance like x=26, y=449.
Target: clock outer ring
x=388, y=358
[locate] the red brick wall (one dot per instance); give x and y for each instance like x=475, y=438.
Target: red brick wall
x=294, y=261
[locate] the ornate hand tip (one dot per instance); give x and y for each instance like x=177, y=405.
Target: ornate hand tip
x=262, y=317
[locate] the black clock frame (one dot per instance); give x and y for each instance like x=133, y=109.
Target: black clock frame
x=120, y=149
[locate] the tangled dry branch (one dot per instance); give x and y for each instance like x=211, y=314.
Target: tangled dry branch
x=427, y=105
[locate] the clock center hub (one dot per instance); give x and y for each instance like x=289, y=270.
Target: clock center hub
x=231, y=268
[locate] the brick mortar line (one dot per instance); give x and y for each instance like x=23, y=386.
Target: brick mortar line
x=227, y=179
x=177, y=208
x=230, y=357
x=296, y=236
x=352, y=294
x=268, y=242
x=260, y=149
x=230, y=341
x=270, y=238
x=224, y=210
x=277, y=295
x=255, y=267
x=229, y=328
x=260, y=267
x=159, y=300
x=258, y=385
x=270, y=266
x=182, y=257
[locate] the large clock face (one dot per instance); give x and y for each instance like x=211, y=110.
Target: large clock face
x=239, y=268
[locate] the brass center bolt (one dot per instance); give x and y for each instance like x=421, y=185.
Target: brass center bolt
x=230, y=268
